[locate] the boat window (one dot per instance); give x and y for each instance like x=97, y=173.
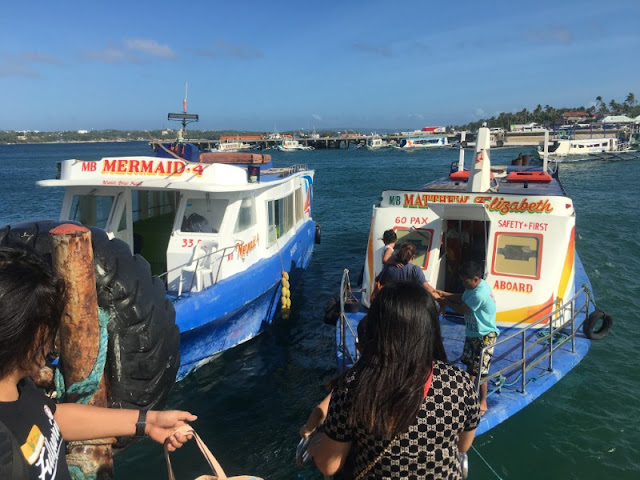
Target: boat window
x=281, y=218
x=299, y=205
x=288, y=212
x=91, y=210
x=421, y=239
x=203, y=215
x=246, y=215
x=517, y=255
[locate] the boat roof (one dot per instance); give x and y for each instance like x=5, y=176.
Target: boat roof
x=172, y=173
x=500, y=183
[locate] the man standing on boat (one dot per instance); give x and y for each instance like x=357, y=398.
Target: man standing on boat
x=479, y=308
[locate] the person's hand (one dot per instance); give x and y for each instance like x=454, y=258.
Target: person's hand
x=162, y=425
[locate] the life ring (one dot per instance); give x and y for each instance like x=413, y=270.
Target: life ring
x=597, y=324
x=143, y=354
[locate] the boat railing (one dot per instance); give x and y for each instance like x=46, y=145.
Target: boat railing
x=299, y=167
x=201, y=264
x=345, y=294
x=283, y=172
x=562, y=328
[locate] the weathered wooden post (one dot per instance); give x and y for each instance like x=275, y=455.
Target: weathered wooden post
x=80, y=337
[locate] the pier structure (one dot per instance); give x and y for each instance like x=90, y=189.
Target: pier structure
x=356, y=140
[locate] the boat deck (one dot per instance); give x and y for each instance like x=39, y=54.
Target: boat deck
x=553, y=188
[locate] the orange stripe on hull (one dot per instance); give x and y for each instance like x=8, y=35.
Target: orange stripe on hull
x=370, y=257
x=569, y=262
x=529, y=314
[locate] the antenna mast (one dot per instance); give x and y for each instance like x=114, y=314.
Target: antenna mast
x=185, y=117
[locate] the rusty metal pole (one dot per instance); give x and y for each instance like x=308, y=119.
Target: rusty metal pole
x=80, y=337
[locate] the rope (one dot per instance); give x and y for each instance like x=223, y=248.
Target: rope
x=590, y=296
x=486, y=463
x=77, y=474
x=85, y=389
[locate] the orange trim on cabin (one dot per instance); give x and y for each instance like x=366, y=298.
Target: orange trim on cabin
x=370, y=258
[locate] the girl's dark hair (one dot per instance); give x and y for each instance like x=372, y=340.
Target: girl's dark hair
x=406, y=253
x=32, y=299
x=403, y=339
x=389, y=236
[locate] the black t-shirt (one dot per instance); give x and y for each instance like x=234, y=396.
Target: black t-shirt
x=30, y=419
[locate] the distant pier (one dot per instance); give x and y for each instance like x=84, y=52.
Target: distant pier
x=347, y=141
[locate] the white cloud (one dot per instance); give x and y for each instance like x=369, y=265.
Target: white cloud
x=37, y=57
x=110, y=55
x=480, y=113
x=14, y=69
x=149, y=47
x=317, y=117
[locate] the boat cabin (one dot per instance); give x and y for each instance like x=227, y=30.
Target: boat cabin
x=516, y=222
x=196, y=218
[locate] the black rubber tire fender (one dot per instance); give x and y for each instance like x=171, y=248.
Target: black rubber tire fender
x=597, y=324
x=144, y=342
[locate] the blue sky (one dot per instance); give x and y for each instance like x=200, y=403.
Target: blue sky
x=271, y=65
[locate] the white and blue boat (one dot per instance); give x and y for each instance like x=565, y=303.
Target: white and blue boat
x=420, y=143
x=519, y=224
x=229, y=234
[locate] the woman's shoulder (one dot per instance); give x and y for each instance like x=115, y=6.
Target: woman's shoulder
x=450, y=373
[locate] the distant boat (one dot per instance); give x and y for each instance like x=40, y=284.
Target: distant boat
x=565, y=147
x=232, y=146
x=291, y=145
x=375, y=142
x=418, y=143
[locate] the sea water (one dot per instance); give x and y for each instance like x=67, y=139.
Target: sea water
x=252, y=400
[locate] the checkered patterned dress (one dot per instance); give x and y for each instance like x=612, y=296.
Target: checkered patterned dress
x=429, y=448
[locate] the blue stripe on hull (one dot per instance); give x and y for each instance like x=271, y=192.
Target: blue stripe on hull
x=236, y=309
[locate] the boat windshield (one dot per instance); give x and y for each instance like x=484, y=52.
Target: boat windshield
x=91, y=210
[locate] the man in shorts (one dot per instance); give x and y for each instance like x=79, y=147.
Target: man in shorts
x=479, y=309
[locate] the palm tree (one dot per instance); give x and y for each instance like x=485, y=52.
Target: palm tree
x=630, y=100
x=615, y=106
x=601, y=105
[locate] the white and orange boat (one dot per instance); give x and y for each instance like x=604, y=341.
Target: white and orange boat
x=519, y=224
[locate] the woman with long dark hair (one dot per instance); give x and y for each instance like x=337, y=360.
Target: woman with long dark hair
x=407, y=410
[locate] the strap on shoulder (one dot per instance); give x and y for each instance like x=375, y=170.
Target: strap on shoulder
x=12, y=463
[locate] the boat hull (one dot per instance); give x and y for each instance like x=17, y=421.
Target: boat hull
x=238, y=308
